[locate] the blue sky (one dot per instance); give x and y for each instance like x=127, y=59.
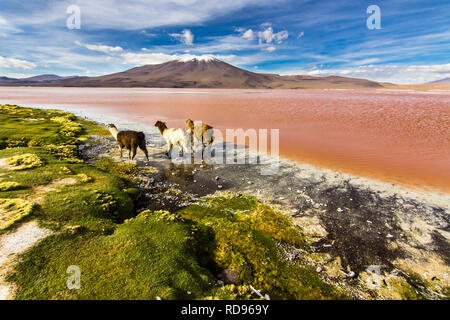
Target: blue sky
x=282, y=36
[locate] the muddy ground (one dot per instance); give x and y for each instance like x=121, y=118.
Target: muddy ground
x=358, y=223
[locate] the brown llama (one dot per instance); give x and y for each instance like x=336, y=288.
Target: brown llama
x=201, y=132
x=129, y=139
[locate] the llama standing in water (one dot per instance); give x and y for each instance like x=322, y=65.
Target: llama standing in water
x=200, y=132
x=129, y=139
x=175, y=137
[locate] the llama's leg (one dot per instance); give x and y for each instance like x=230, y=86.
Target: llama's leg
x=134, y=148
x=121, y=150
x=144, y=149
x=192, y=140
x=169, y=150
x=181, y=146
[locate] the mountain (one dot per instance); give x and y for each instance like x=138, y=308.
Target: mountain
x=44, y=78
x=442, y=81
x=203, y=72
x=7, y=80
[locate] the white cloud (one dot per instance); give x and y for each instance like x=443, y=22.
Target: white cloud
x=16, y=63
x=157, y=58
x=270, y=49
x=249, y=35
x=265, y=36
x=146, y=58
x=186, y=37
x=99, y=48
x=412, y=74
x=268, y=36
x=6, y=27
x=301, y=35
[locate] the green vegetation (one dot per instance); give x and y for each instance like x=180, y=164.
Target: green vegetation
x=7, y=186
x=246, y=237
x=122, y=255
x=25, y=161
x=13, y=210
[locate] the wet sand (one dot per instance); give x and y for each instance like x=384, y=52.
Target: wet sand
x=393, y=136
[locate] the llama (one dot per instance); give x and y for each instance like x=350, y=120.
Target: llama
x=129, y=139
x=174, y=137
x=201, y=133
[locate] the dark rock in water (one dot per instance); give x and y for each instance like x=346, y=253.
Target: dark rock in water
x=230, y=276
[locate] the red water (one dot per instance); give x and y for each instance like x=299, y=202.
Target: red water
x=399, y=137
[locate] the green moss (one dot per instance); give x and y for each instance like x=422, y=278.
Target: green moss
x=84, y=178
x=232, y=292
x=404, y=289
x=53, y=157
x=9, y=185
x=144, y=258
x=25, y=161
x=245, y=236
x=13, y=210
x=111, y=166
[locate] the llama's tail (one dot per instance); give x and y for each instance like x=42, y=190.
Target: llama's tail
x=142, y=142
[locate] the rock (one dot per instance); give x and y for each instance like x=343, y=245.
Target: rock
x=230, y=276
x=217, y=178
x=250, y=182
x=351, y=274
x=219, y=186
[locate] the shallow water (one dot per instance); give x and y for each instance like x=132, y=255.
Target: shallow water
x=399, y=137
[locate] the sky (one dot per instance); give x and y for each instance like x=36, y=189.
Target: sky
x=409, y=43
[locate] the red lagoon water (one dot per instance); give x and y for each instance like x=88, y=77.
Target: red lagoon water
x=399, y=137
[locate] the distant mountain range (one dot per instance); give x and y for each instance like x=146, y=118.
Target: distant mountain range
x=41, y=79
x=442, y=81
x=195, y=73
